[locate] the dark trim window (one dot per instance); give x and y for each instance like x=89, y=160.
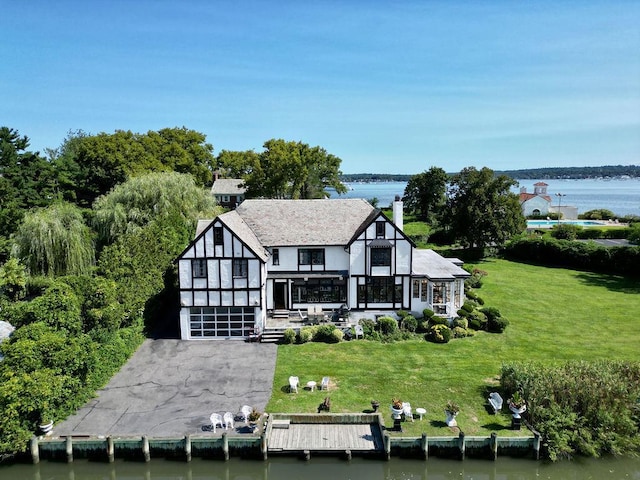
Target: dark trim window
x=217, y=236
x=199, y=268
x=380, y=229
x=380, y=290
x=311, y=256
x=240, y=268
x=381, y=257
x=275, y=256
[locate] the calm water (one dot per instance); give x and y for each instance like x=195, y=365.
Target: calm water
x=620, y=196
x=329, y=468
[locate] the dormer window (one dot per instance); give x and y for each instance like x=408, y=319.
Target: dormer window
x=380, y=229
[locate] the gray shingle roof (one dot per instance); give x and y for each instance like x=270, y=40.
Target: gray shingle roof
x=427, y=263
x=305, y=222
x=228, y=186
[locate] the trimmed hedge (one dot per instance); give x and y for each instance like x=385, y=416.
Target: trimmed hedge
x=587, y=256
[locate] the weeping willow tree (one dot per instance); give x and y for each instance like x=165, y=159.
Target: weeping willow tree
x=141, y=200
x=55, y=241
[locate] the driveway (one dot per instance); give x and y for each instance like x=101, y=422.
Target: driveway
x=171, y=387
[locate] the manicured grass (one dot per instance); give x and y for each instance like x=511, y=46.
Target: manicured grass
x=555, y=315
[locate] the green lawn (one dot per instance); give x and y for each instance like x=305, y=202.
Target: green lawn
x=555, y=315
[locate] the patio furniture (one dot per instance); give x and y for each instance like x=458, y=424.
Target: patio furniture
x=359, y=331
x=303, y=317
x=495, y=400
x=421, y=411
x=245, y=411
x=406, y=409
x=216, y=419
x=311, y=385
x=324, y=385
x=228, y=420
x=293, y=384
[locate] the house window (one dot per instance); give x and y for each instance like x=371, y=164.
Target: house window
x=380, y=229
x=380, y=290
x=381, y=257
x=416, y=289
x=240, y=267
x=420, y=289
x=199, y=268
x=311, y=256
x=275, y=256
x=217, y=235
x=316, y=290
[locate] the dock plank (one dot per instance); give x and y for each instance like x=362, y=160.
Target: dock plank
x=326, y=437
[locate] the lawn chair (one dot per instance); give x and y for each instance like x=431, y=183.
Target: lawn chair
x=324, y=384
x=245, y=411
x=228, y=420
x=293, y=384
x=216, y=419
x=359, y=331
x=495, y=400
x=408, y=412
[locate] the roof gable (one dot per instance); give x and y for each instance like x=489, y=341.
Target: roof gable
x=228, y=186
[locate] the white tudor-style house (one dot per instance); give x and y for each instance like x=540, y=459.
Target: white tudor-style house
x=273, y=256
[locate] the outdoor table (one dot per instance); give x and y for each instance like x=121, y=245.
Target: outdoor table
x=421, y=411
x=312, y=385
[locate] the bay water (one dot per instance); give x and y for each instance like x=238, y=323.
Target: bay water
x=621, y=196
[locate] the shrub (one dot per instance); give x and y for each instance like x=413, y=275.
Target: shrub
x=387, y=325
x=337, y=335
x=409, y=323
x=469, y=306
x=324, y=333
x=490, y=312
x=402, y=313
x=306, y=334
x=565, y=231
x=475, y=280
x=497, y=324
x=459, y=332
x=289, y=336
x=462, y=313
x=368, y=326
x=472, y=295
x=477, y=320
x=598, y=214
x=438, y=334
x=461, y=322
x=437, y=320
x=427, y=313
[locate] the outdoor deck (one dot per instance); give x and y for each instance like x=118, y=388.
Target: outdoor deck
x=326, y=437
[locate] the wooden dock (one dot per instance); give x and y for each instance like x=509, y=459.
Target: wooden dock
x=326, y=437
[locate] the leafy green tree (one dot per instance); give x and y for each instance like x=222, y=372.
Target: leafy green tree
x=482, y=210
x=13, y=280
x=143, y=199
x=26, y=181
x=55, y=241
x=91, y=165
x=425, y=194
x=232, y=164
x=634, y=235
x=294, y=170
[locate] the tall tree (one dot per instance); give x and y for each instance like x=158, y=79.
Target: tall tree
x=141, y=200
x=482, y=210
x=91, y=165
x=55, y=241
x=294, y=170
x=425, y=194
x=232, y=164
x=26, y=181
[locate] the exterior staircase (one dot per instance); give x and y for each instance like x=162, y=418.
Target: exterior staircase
x=272, y=335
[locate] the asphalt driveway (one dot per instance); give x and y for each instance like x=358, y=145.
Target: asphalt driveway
x=171, y=387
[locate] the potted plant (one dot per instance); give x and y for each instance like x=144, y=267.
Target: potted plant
x=396, y=408
x=451, y=410
x=46, y=422
x=517, y=404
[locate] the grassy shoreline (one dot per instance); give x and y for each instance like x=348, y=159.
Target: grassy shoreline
x=556, y=315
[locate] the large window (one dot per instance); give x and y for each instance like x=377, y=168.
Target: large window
x=221, y=321
x=316, y=290
x=199, y=268
x=380, y=290
x=381, y=257
x=439, y=298
x=311, y=256
x=420, y=289
x=240, y=268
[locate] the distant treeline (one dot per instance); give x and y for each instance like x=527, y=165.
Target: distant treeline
x=527, y=173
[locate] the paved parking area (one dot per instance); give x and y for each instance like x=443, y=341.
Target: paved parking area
x=171, y=387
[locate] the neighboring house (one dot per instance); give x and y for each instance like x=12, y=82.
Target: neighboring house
x=228, y=192
x=536, y=203
x=272, y=256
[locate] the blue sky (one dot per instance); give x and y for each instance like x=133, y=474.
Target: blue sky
x=389, y=87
